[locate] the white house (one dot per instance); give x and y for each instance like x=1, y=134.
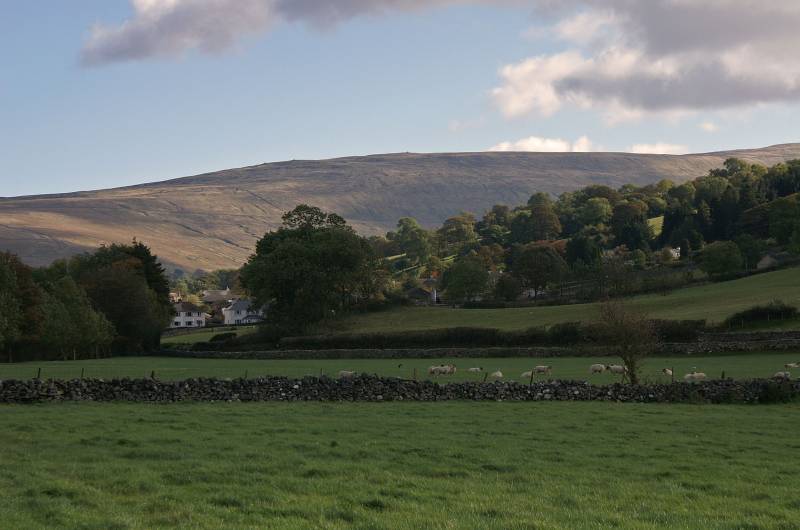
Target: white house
x=242, y=312
x=188, y=316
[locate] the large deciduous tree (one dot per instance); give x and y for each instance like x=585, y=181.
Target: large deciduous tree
x=629, y=333
x=310, y=268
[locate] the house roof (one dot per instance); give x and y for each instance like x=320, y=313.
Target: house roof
x=185, y=307
x=241, y=305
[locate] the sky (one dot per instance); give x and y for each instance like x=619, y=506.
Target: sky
x=104, y=93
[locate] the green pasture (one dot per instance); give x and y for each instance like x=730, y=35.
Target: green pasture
x=713, y=301
x=399, y=466
x=742, y=366
x=205, y=335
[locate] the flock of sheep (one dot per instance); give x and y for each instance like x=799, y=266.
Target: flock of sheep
x=617, y=369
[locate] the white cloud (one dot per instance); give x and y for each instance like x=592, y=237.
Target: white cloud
x=538, y=144
x=659, y=148
x=669, y=58
x=709, y=126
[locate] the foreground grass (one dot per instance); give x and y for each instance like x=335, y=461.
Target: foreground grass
x=399, y=466
x=714, y=302
x=742, y=366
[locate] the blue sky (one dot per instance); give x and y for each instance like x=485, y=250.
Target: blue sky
x=150, y=93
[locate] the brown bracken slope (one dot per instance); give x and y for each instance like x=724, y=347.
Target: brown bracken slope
x=212, y=221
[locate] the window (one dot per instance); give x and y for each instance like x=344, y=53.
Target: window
x=177, y=323
x=200, y=323
x=189, y=323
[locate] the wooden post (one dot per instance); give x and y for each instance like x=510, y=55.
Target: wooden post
x=82, y=369
x=245, y=374
x=415, y=374
x=39, y=374
x=485, y=376
x=152, y=374
x=723, y=375
x=531, y=383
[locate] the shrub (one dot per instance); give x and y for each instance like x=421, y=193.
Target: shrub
x=223, y=337
x=679, y=330
x=775, y=310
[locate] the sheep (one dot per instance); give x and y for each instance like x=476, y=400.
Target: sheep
x=782, y=375
x=450, y=369
x=435, y=370
x=791, y=365
x=667, y=372
x=617, y=369
x=527, y=375
x=693, y=377
x=346, y=374
x=497, y=375
x=475, y=370
x=597, y=369
x=542, y=369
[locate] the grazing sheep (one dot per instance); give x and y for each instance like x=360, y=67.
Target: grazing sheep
x=667, y=372
x=782, y=375
x=693, y=377
x=449, y=369
x=597, y=369
x=527, y=375
x=346, y=374
x=435, y=370
x=791, y=365
x=475, y=370
x=497, y=375
x=617, y=369
x=542, y=369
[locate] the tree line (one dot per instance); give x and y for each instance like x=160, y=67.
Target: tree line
x=115, y=299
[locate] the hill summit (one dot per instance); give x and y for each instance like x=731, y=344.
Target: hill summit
x=213, y=220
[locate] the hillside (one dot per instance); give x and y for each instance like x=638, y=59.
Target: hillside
x=713, y=302
x=213, y=220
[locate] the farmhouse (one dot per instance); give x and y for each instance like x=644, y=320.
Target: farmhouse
x=188, y=316
x=242, y=312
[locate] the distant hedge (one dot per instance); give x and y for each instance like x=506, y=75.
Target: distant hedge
x=775, y=310
x=564, y=334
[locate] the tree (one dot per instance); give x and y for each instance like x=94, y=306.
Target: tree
x=585, y=249
x=466, y=279
x=720, y=258
x=537, y=266
x=537, y=224
x=414, y=241
x=307, y=271
x=457, y=232
x=784, y=218
x=630, y=334
x=596, y=211
x=752, y=250
x=508, y=288
x=10, y=310
x=629, y=226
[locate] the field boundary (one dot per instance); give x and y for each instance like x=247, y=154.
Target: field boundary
x=379, y=389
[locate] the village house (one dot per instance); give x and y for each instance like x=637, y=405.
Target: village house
x=188, y=316
x=242, y=312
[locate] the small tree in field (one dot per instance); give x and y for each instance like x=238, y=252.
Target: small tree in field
x=630, y=334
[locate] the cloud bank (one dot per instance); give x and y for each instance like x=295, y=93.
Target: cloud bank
x=168, y=28
x=664, y=57
x=537, y=144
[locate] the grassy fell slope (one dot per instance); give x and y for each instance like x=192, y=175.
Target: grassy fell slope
x=714, y=302
x=212, y=221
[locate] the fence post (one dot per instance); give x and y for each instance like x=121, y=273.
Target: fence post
x=39, y=373
x=245, y=374
x=673, y=374
x=152, y=374
x=415, y=374
x=82, y=369
x=531, y=383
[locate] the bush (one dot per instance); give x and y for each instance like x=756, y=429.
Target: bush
x=775, y=310
x=223, y=337
x=679, y=330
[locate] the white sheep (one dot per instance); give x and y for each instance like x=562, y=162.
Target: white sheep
x=782, y=375
x=497, y=375
x=791, y=365
x=435, y=370
x=542, y=369
x=475, y=370
x=597, y=369
x=346, y=374
x=527, y=375
x=449, y=369
x=693, y=377
x=617, y=369
x=667, y=372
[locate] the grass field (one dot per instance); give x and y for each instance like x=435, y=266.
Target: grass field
x=204, y=335
x=741, y=366
x=714, y=302
x=399, y=466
